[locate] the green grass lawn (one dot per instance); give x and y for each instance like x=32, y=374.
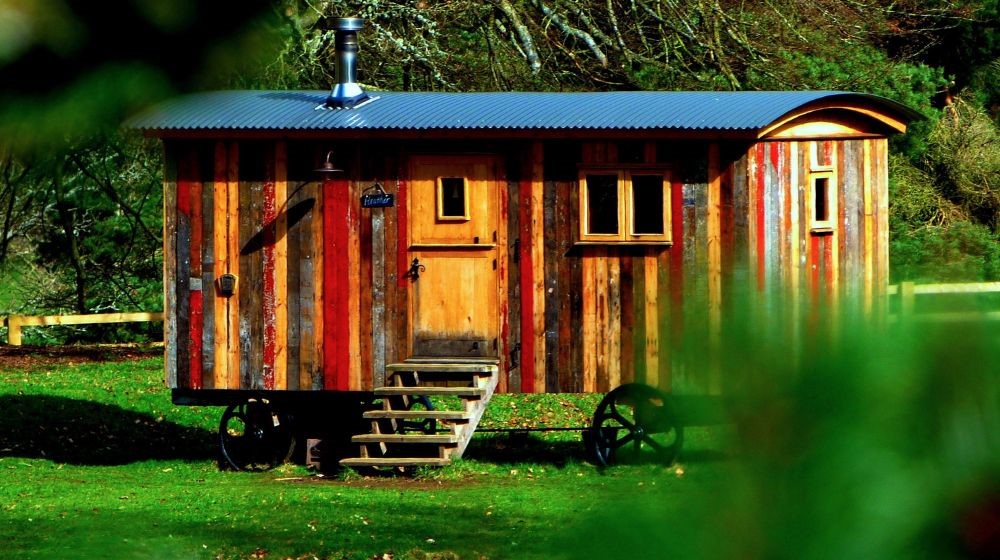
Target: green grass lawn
x=874, y=444
x=96, y=462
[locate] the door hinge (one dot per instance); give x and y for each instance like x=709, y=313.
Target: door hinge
x=516, y=249
x=494, y=264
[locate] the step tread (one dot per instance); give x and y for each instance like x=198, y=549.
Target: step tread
x=423, y=390
x=407, y=414
x=451, y=360
x=405, y=438
x=443, y=367
x=394, y=461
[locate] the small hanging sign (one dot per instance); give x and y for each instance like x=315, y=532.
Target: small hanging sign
x=376, y=197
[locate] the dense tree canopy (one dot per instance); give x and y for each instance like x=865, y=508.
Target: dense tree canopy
x=79, y=201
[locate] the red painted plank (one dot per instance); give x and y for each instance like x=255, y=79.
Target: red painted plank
x=336, y=319
x=759, y=202
x=195, y=311
x=270, y=222
x=677, y=249
x=672, y=338
x=196, y=316
x=527, y=288
x=828, y=268
x=813, y=263
x=183, y=273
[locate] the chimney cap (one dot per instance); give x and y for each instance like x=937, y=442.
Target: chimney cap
x=348, y=24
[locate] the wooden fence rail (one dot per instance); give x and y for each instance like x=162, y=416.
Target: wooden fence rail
x=16, y=322
x=908, y=292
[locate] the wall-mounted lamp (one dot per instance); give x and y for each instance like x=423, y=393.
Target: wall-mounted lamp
x=226, y=284
x=328, y=166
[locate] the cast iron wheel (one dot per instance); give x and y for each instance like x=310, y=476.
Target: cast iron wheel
x=254, y=436
x=425, y=426
x=634, y=424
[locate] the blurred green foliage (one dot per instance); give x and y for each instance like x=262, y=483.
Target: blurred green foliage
x=961, y=252
x=860, y=442
x=80, y=200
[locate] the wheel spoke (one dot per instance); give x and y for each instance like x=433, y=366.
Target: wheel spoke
x=623, y=440
x=653, y=443
x=623, y=421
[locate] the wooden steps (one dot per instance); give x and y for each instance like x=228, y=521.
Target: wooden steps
x=405, y=438
x=431, y=391
x=395, y=462
x=409, y=430
x=417, y=414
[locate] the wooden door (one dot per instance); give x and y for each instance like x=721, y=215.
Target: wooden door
x=456, y=243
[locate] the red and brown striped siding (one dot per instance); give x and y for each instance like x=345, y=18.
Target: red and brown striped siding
x=321, y=301
x=285, y=327
x=851, y=260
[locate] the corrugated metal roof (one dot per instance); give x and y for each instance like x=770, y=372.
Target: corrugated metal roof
x=633, y=110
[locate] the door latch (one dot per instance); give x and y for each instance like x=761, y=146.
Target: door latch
x=415, y=269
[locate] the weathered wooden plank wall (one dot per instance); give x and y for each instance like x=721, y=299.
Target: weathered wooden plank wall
x=322, y=295
x=817, y=267
x=229, y=208
x=606, y=306
x=170, y=335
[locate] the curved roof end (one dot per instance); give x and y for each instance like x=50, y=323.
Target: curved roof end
x=862, y=106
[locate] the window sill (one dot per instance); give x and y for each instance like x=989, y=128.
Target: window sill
x=822, y=230
x=433, y=246
x=616, y=243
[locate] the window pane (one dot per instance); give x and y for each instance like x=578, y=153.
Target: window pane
x=602, y=203
x=647, y=204
x=821, y=208
x=453, y=197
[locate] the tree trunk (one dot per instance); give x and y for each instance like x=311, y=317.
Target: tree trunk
x=72, y=248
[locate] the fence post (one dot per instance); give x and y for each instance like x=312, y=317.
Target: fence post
x=906, y=299
x=14, y=330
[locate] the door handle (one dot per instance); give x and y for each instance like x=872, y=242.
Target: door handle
x=415, y=269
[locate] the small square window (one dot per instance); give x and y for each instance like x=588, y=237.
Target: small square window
x=624, y=206
x=823, y=202
x=648, y=209
x=452, y=199
x=602, y=204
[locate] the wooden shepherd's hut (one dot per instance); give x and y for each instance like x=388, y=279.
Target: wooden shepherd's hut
x=327, y=243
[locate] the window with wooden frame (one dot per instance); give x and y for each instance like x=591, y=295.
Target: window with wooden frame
x=821, y=190
x=624, y=206
x=453, y=199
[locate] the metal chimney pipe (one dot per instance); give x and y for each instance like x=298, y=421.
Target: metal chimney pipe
x=346, y=93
